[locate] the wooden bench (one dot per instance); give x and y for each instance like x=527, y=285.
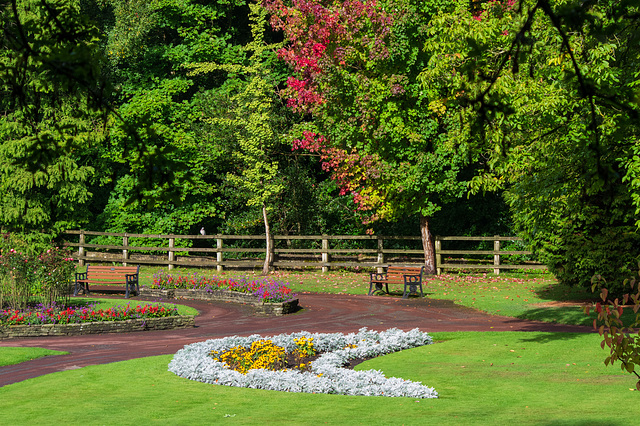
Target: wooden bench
x=409, y=276
x=108, y=275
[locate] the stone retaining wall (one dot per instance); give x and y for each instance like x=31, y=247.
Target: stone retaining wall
x=281, y=308
x=126, y=326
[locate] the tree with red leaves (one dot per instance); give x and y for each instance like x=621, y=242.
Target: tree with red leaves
x=385, y=140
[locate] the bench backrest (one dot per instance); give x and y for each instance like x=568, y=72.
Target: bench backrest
x=393, y=271
x=110, y=273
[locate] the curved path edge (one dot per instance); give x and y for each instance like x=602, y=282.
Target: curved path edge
x=322, y=313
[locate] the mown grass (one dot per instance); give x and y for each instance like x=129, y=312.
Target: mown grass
x=102, y=303
x=482, y=378
x=10, y=356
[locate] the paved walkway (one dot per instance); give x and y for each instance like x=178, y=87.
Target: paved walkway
x=320, y=313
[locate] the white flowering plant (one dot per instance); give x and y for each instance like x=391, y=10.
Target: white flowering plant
x=327, y=374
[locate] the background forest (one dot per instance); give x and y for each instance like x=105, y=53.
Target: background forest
x=444, y=117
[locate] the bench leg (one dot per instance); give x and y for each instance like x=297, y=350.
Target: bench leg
x=81, y=286
x=377, y=288
x=406, y=293
x=411, y=287
x=131, y=287
x=371, y=289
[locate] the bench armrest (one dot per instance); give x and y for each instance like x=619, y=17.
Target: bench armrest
x=412, y=278
x=376, y=276
x=81, y=275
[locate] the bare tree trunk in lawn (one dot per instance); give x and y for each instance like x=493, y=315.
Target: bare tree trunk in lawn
x=428, y=246
x=268, y=258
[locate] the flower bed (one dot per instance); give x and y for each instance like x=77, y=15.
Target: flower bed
x=75, y=315
x=326, y=375
x=267, y=296
x=55, y=321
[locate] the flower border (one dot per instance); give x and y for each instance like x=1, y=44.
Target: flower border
x=327, y=374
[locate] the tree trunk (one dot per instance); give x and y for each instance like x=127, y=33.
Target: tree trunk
x=428, y=246
x=268, y=258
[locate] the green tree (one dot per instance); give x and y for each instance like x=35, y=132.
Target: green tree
x=253, y=122
x=50, y=108
x=556, y=104
x=157, y=178
x=385, y=138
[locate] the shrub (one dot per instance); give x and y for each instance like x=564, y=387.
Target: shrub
x=587, y=246
x=26, y=277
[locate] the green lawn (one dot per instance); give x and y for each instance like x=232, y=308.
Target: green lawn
x=482, y=378
x=9, y=356
x=110, y=303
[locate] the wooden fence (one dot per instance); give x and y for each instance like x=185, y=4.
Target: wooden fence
x=320, y=251
x=480, y=260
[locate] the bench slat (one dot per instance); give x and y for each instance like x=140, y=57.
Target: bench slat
x=105, y=275
x=120, y=270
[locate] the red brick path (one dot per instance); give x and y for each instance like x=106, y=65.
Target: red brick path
x=321, y=313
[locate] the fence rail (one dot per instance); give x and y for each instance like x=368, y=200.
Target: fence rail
x=319, y=254
x=497, y=253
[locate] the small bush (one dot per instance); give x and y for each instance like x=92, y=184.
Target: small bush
x=586, y=247
x=26, y=277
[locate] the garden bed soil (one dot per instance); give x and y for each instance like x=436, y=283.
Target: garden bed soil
x=261, y=307
x=99, y=327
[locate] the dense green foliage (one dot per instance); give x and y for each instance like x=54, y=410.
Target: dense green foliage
x=107, y=121
x=184, y=121
x=388, y=140
x=162, y=163
x=550, y=91
x=49, y=115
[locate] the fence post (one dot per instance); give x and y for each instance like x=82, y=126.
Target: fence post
x=496, y=255
x=172, y=254
x=272, y=251
x=125, y=252
x=438, y=255
x=380, y=269
x=81, y=249
x=325, y=255
x=219, y=254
